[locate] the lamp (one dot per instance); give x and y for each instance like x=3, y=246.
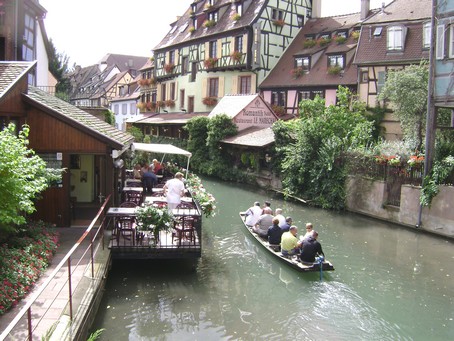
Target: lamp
x=118, y=163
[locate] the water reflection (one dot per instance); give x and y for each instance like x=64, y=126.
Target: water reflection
x=238, y=292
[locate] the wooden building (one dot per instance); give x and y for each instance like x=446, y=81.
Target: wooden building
x=65, y=137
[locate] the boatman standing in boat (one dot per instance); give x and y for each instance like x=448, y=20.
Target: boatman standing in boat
x=174, y=190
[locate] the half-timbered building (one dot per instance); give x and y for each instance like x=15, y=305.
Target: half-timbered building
x=220, y=47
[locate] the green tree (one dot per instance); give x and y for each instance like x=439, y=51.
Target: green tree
x=197, y=128
x=311, y=148
x=24, y=175
x=58, y=66
x=407, y=90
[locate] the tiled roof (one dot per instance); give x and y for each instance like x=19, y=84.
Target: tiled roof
x=77, y=117
x=179, y=31
x=11, y=72
x=402, y=10
x=281, y=76
x=372, y=49
x=252, y=137
x=172, y=118
x=125, y=62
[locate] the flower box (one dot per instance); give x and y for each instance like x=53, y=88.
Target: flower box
x=209, y=23
x=235, y=17
x=278, y=110
x=168, y=68
x=340, y=39
x=297, y=72
x=334, y=70
x=308, y=43
x=355, y=35
x=210, y=62
x=323, y=41
x=210, y=101
x=191, y=29
x=170, y=103
x=141, y=106
x=236, y=56
x=279, y=22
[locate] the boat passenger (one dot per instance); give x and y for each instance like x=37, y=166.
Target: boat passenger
x=265, y=205
x=274, y=233
x=289, y=242
x=309, y=231
x=286, y=226
x=278, y=215
x=174, y=190
x=311, y=248
x=253, y=214
x=262, y=224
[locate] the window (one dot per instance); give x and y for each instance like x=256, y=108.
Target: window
x=342, y=34
x=211, y=2
x=213, y=87
x=194, y=23
x=239, y=43
x=395, y=38
x=325, y=36
x=451, y=41
x=184, y=65
x=239, y=8
x=278, y=98
x=115, y=109
x=124, y=109
x=193, y=72
x=440, y=50
x=300, y=20
x=381, y=81
x=319, y=93
x=194, y=7
x=303, y=95
x=213, y=16
x=172, y=91
x=172, y=57
x=277, y=14
x=153, y=96
x=163, y=92
x=28, y=41
x=377, y=31
x=245, y=85
x=182, y=94
x=426, y=35
x=132, y=108
x=364, y=77
x=213, y=49
x=302, y=62
x=336, y=60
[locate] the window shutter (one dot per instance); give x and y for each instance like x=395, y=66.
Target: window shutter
x=232, y=45
x=219, y=48
x=440, y=49
x=167, y=57
x=245, y=43
x=253, y=83
x=177, y=57
x=204, y=87
x=158, y=92
x=207, y=50
x=234, y=89
x=221, y=87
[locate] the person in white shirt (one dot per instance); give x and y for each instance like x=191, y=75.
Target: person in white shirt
x=309, y=231
x=253, y=214
x=279, y=216
x=174, y=190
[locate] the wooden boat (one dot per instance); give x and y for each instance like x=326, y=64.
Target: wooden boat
x=292, y=261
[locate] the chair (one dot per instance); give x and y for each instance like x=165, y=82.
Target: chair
x=159, y=203
x=128, y=204
x=135, y=197
x=186, y=205
x=126, y=229
x=184, y=228
x=135, y=184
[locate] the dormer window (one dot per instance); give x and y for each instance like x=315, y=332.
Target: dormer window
x=172, y=57
x=303, y=63
x=194, y=23
x=342, y=34
x=377, y=31
x=426, y=35
x=325, y=36
x=194, y=7
x=213, y=16
x=239, y=8
x=211, y=2
x=277, y=14
x=395, y=38
x=336, y=60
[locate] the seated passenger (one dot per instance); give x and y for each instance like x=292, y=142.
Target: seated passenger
x=262, y=224
x=289, y=242
x=309, y=231
x=286, y=226
x=278, y=215
x=157, y=167
x=253, y=214
x=137, y=171
x=274, y=233
x=267, y=204
x=311, y=248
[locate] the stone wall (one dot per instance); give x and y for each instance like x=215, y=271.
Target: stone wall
x=368, y=197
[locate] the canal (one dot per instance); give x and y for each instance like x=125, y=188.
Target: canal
x=390, y=283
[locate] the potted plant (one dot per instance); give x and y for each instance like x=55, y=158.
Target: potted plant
x=340, y=39
x=209, y=23
x=235, y=16
x=141, y=106
x=278, y=22
x=210, y=101
x=334, y=70
x=169, y=103
x=297, y=72
x=324, y=41
x=154, y=219
x=168, y=68
x=210, y=62
x=308, y=43
x=355, y=34
x=191, y=29
x=236, y=56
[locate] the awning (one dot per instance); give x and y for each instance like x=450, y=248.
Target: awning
x=162, y=149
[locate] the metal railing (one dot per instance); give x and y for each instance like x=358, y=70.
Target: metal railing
x=65, y=267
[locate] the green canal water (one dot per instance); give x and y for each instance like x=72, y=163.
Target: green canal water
x=390, y=283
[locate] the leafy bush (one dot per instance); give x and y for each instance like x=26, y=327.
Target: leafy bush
x=22, y=260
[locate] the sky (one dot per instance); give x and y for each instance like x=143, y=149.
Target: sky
x=86, y=30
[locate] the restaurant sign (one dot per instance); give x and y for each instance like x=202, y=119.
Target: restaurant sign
x=256, y=114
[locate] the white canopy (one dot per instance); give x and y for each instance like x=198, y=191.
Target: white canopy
x=162, y=149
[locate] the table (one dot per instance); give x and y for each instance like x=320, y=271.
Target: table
x=185, y=211
x=121, y=211
x=133, y=189
x=157, y=189
x=151, y=200
x=133, y=181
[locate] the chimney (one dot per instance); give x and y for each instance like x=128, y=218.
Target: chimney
x=316, y=8
x=365, y=9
